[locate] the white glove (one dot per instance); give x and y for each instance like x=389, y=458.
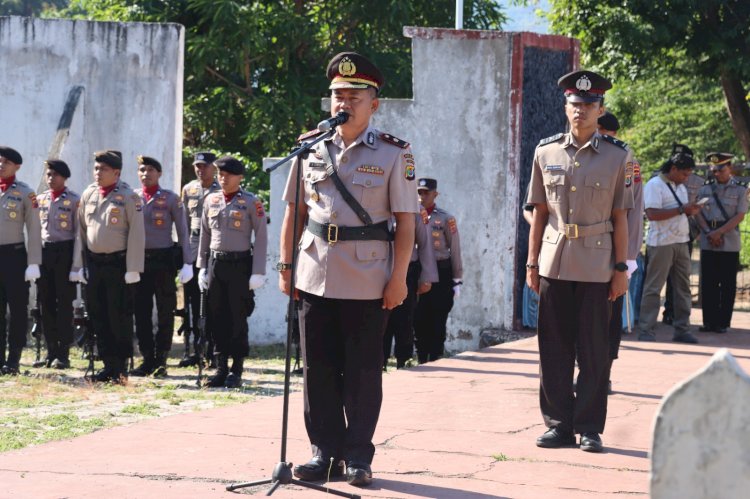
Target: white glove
x=632, y=267
x=132, y=277
x=82, y=277
x=186, y=273
x=257, y=281
x=456, y=291
x=32, y=272
x=73, y=277
x=203, y=279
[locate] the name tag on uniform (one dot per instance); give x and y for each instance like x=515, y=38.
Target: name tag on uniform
x=235, y=214
x=553, y=168
x=318, y=166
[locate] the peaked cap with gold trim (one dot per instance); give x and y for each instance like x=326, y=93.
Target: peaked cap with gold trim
x=352, y=70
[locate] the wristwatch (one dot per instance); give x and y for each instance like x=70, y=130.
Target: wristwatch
x=680, y=209
x=281, y=266
x=621, y=267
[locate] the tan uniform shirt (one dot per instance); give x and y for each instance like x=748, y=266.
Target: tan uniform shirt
x=423, y=248
x=733, y=197
x=580, y=185
x=113, y=223
x=19, y=207
x=379, y=174
x=635, y=215
x=445, y=240
x=60, y=221
x=230, y=227
x=159, y=213
x=193, y=196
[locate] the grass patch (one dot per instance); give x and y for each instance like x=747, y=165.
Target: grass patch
x=18, y=432
x=500, y=457
x=141, y=408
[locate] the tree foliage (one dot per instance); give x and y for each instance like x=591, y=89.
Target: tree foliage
x=254, y=70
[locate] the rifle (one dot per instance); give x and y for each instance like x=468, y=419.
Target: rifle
x=297, y=369
x=200, y=337
x=83, y=332
x=186, y=328
x=37, y=330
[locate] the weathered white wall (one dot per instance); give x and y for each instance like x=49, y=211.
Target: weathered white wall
x=132, y=76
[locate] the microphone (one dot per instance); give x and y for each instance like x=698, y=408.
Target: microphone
x=337, y=120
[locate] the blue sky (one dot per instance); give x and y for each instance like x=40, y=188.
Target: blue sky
x=523, y=18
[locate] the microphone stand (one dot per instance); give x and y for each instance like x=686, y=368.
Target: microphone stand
x=282, y=472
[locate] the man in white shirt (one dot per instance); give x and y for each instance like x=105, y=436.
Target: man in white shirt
x=667, y=208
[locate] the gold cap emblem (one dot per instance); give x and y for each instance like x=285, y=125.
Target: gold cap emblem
x=714, y=159
x=347, y=67
x=583, y=84
x=140, y=159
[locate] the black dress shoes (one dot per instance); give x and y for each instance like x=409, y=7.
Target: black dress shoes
x=358, y=474
x=554, y=438
x=721, y=330
x=685, y=338
x=591, y=442
x=318, y=468
x=707, y=329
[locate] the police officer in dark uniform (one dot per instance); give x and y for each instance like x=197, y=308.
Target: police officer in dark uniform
x=576, y=262
x=419, y=278
x=349, y=273
x=725, y=207
x=162, y=209
x=61, y=262
x=232, y=259
x=110, y=217
x=20, y=209
x=194, y=194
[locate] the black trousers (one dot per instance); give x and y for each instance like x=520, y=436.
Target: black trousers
x=342, y=346
x=110, y=302
x=14, y=295
x=431, y=316
x=615, y=327
x=157, y=281
x=56, y=295
x=229, y=303
x=718, y=286
x=401, y=321
x=574, y=323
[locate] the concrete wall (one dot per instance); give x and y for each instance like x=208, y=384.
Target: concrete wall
x=466, y=126
x=131, y=100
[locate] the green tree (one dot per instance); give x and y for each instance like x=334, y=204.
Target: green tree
x=28, y=8
x=254, y=71
x=706, y=40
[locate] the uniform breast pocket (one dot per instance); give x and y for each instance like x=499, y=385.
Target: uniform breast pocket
x=116, y=219
x=63, y=222
x=236, y=220
x=12, y=215
x=597, y=189
x=214, y=218
x=731, y=200
x=372, y=250
x=373, y=191
x=555, y=186
x=306, y=241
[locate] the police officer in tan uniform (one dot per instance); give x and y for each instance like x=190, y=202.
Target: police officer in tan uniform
x=19, y=209
x=61, y=262
x=349, y=274
x=419, y=278
x=720, y=217
x=232, y=259
x=194, y=194
x=435, y=305
x=110, y=216
x=576, y=262
x=162, y=209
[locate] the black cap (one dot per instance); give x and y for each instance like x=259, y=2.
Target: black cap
x=146, y=160
x=230, y=165
x=682, y=156
x=681, y=149
x=608, y=121
x=59, y=166
x=429, y=184
x=352, y=70
x=11, y=154
x=584, y=86
x=109, y=157
x=204, y=157
x=720, y=159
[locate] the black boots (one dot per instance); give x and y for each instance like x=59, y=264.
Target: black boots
x=147, y=366
x=12, y=365
x=160, y=365
x=234, y=380
x=115, y=371
x=222, y=371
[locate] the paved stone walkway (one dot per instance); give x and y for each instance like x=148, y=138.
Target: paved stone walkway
x=462, y=427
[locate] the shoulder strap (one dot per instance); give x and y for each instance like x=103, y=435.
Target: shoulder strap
x=679, y=203
x=718, y=202
x=353, y=203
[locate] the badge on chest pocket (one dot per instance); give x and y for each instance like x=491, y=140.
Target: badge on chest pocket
x=159, y=218
x=235, y=219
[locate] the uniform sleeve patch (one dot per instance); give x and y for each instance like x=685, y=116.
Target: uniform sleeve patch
x=259, y=209
x=387, y=137
x=410, y=172
x=452, y=225
x=629, y=174
x=636, y=171
x=34, y=202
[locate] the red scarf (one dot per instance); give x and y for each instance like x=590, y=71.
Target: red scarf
x=103, y=191
x=431, y=209
x=148, y=192
x=6, y=182
x=230, y=196
x=56, y=194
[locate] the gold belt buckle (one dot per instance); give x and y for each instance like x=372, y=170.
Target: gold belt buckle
x=571, y=231
x=333, y=229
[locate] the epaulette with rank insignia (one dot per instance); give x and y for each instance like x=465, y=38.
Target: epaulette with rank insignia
x=549, y=140
x=743, y=183
x=617, y=142
x=709, y=181
x=308, y=135
x=394, y=140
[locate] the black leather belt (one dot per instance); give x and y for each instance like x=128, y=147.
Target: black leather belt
x=159, y=253
x=333, y=233
x=444, y=264
x=107, y=257
x=57, y=244
x=12, y=247
x=715, y=224
x=231, y=256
